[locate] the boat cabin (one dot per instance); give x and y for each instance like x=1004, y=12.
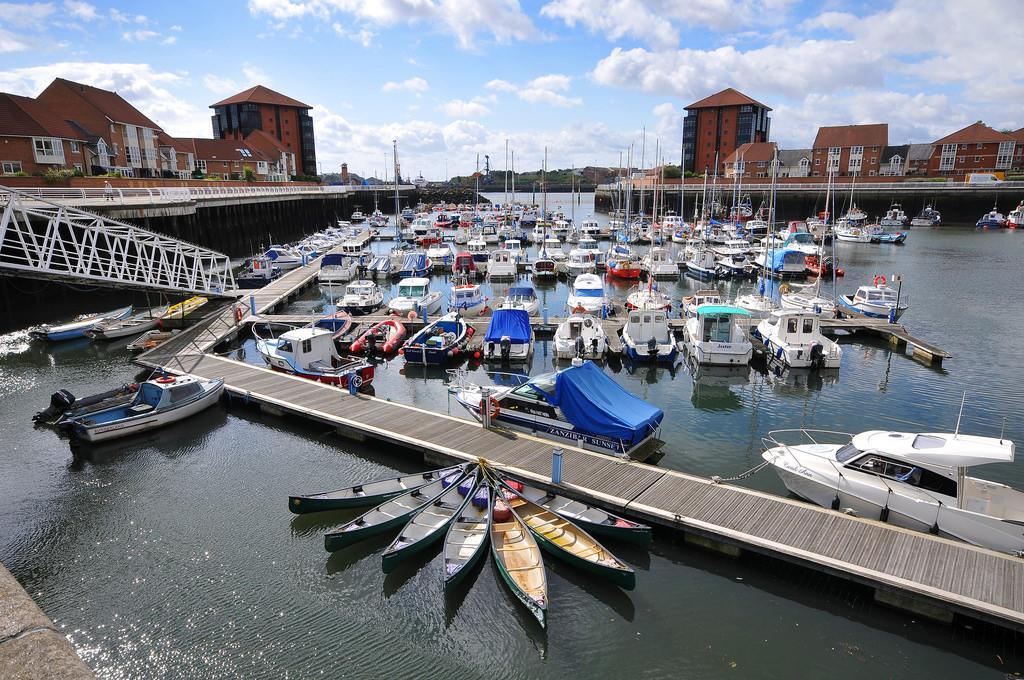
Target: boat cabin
x=361, y=288
x=643, y=325
x=310, y=349
x=414, y=287
x=876, y=295
x=795, y=327
x=463, y=263
x=353, y=249
x=717, y=323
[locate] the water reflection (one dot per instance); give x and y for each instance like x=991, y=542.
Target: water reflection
x=713, y=386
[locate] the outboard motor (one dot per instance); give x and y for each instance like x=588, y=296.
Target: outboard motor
x=581, y=347
x=60, y=403
x=490, y=349
x=652, y=348
x=593, y=346
x=817, y=355
x=506, y=347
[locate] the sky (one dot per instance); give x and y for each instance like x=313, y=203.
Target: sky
x=454, y=79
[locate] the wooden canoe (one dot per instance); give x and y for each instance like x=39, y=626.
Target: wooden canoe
x=595, y=520
x=390, y=513
x=467, y=537
x=362, y=495
x=565, y=540
x=429, y=523
x=519, y=561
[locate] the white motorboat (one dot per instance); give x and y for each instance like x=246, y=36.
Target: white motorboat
x=658, y=263
x=509, y=336
x=590, y=227
x=158, y=402
x=441, y=255
x=337, y=268
x=515, y=247
x=589, y=245
x=310, y=352
x=553, y=247
x=481, y=254
x=1014, y=219
x=581, y=336
x=914, y=480
x=803, y=242
x=877, y=301
x=587, y=295
x=703, y=263
x=561, y=228
x=795, y=339
x=578, y=263
x=502, y=265
x=733, y=258
x=522, y=297
x=647, y=337
x=648, y=298
x=489, y=233
x=716, y=336
x=285, y=258
x=361, y=297
x=701, y=297
x=414, y=295
x=357, y=217
x=894, y=217
x=850, y=233
x=111, y=329
x=468, y=299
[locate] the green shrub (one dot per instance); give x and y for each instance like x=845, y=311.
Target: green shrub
x=250, y=176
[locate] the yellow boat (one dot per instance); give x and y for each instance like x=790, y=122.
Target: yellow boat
x=183, y=309
x=519, y=560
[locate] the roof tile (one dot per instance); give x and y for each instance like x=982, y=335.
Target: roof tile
x=727, y=97
x=258, y=94
x=874, y=134
x=975, y=133
x=24, y=116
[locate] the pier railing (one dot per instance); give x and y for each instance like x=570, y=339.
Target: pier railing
x=755, y=187
x=191, y=194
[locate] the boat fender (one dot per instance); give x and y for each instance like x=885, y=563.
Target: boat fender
x=878, y=281
x=502, y=513
x=239, y=314
x=513, y=484
x=495, y=409
x=411, y=315
x=466, y=485
x=450, y=479
x=623, y=523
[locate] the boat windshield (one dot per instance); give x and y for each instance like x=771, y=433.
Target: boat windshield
x=802, y=237
x=589, y=292
x=847, y=452
x=411, y=291
x=541, y=387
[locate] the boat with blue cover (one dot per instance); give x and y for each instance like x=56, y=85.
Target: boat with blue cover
x=439, y=342
x=509, y=336
x=415, y=264
x=77, y=328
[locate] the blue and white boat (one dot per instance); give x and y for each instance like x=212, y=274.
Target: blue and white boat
x=285, y=258
x=439, y=342
x=509, y=336
x=782, y=262
x=415, y=264
x=646, y=337
x=993, y=219
x=579, y=406
x=877, y=301
x=889, y=237
x=159, y=402
x=78, y=327
x=522, y=297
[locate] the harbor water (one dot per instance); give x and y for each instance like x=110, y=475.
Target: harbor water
x=174, y=555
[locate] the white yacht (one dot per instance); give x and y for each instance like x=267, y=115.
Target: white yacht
x=658, y=263
x=414, y=295
x=587, y=295
x=795, y=339
x=807, y=299
x=648, y=298
x=336, y=268
x=877, y=301
x=553, y=247
x=590, y=228
x=578, y=263
x=502, y=265
x=647, y=337
x=515, y=247
x=581, y=335
x=467, y=299
x=589, y=245
x=715, y=335
x=361, y=297
x=522, y=297
x=481, y=254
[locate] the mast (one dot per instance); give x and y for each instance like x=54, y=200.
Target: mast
x=572, y=197
x=544, y=186
x=629, y=192
x=643, y=159
x=476, y=205
x=513, y=176
x=398, y=212
x=506, y=172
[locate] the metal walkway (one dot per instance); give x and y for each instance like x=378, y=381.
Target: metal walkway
x=43, y=239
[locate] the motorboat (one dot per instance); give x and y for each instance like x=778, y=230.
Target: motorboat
x=467, y=298
x=894, y=217
x=489, y=233
x=579, y=262
x=579, y=406
x=795, y=339
x=357, y=217
x=515, y=247
x=285, y=258
x=149, y=340
x=414, y=295
x=111, y=329
x=380, y=267
x=463, y=264
x=561, y=228
x=733, y=258
x=877, y=301
x=646, y=337
x=889, y=237
x=993, y=219
x=481, y=254
x=336, y=268
x=928, y=217
x=78, y=327
x=802, y=242
x=658, y=263
x=850, y=233
x=553, y=247
x=419, y=229
x=441, y=255
x=807, y=300
x=509, y=336
x=502, y=265
x=310, y=353
x=822, y=266
x=587, y=295
x=622, y=262
x=701, y=297
x=439, y=342
x=544, y=266
x=581, y=336
x=855, y=215
x=522, y=297
x=717, y=335
x=385, y=336
x=782, y=262
x=590, y=245
x=414, y=264
x=158, y=402
x=590, y=227
x=703, y=263
x=361, y=297
x=257, y=273
x=648, y=298
x=914, y=480
x=1016, y=217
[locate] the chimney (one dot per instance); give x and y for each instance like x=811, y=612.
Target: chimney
x=344, y=173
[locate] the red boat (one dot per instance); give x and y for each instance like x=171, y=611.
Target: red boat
x=821, y=267
x=627, y=268
x=463, y=263
x=384, y=336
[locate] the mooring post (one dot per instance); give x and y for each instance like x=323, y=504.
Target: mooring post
x=556, y=466
x=485, y=406
x=545, y=315
x=252, y=304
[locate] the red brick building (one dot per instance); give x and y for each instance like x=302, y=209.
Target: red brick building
x=975, y=148
x=717, y=125
x=751, y=160
x=259, y=108
x=849, y=150
x=34, y=139
x=1018, y=153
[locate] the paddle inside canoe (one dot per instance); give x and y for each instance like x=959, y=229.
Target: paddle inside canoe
x=519, y=560
x=467, y=537
x=390, y=513
x=371, y=493
x=430, y=521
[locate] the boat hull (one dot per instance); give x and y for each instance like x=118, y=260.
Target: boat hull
x=144, y=423
x=365, y=374
x=850, y=308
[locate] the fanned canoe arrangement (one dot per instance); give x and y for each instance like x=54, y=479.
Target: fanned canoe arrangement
x=473, y=506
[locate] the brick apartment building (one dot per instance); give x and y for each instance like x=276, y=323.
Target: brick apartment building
x=849, y=150
x=751, y=160
x=34, y=140
x=261, y=109
x=717, y=125
x=975, y=148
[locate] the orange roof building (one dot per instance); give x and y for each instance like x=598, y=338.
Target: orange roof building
x=849, y=150
x=975, y=148
x=261, y=109
x=716, y=126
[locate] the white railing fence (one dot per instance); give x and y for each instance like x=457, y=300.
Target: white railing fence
x=146, y=195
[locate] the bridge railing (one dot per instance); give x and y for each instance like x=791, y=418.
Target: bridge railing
x=922, y=187
x=145, y=195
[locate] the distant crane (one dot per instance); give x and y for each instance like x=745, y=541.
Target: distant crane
x=488, y=179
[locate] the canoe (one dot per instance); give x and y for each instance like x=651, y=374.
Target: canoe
x=467, y=537
x=389, y=514
x=519, y=560
x=362, y=495
x=183, y=309
x=136, y=324
x=565, y=540
x=430, y=522
x=595, y=520
x=78, y=327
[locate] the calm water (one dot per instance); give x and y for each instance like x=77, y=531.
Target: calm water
x=175, y=555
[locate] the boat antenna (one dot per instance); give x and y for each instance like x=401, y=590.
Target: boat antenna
x=961, y=415
x=1002, y=430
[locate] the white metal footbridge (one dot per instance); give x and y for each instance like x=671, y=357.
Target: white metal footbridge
x=43, y=239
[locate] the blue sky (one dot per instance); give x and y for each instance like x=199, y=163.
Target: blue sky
x=451, y=79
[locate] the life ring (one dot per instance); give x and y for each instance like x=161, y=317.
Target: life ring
x=355, y=381
x=579, y=309
x=411, y=315
x=495, y=408
x=879, y=281
x=784, y=288
x=588, y=322
x=165, y=379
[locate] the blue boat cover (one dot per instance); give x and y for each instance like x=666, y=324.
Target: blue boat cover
x=332, y=259
x=596, y=404
x=777, y=258
x=521, y=291
x=415, y=262
x=515, y=323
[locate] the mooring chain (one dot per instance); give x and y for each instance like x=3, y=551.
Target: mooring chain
x=715, y=479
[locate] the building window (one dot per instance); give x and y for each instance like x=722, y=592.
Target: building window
x=857, y=150
x=817, y=161
x=74, y=146
x=981, y=145
x=1004, y=155
x=48, y=150
x=871, y=173
x=961, y=159
x=78, y=166
x=10, y=167
x=977, y=159
x=226, y=175
x=202, y=166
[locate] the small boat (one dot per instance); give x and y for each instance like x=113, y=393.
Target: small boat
x=701, y=297
x=441, y=341
x=658, y=264
x=782, y=262
x=149, y=340
x=414, y=264
x=522, y=297
x=384, y=336
x=928, y=217
x=357, y=217
x=310, y=353
x=587, y=295
x=285, y=258
x=852, y=234
x=894, y=217
x=380, y=267
x=515, y=247
x=337, y=268
x=502, y=265
x=441, y=255
x=794, y=338
x=414, y=295
x=544, y=267
x=715, y=335
x=569, y=542
x=468, y=535
x=519, y=560
x=477, y=248
x=182, y=310
x=993, y=219
x=647, y=337
x=78, y=327
x=111, y=329
x=579, y=262
x=64, y=404
x=1016, y=217
x=703, y=263
x=821, y=266
x=390, y=513
x=430, y=522
x=889, y=237
x=371, y=493
x=581, y=336
x=361, y=297
x=257, y=273
x=590, y=245
x=623, y=263
x=509, y=336
x=464, y=264
x=338, y=323
x=877, y=301
x=159, y=402
x=807, y=301
x=648, y=298
x=468, y=299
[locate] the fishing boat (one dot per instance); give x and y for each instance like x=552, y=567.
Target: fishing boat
x=889, y=237
x=430, y=522
x=149, y=340
x=623, y=263
x=915, y=480
x=579, y=405
x=877, y=301
x=438, y=342
x=159, y=402
x=385, y=336
x=852, y=234
x=648, y=298
x=894, y=217
x=928, y=217
x=701, y=297
x=590, y=227
x=544, y=266
x=795, y=339
x=519, y=560
x=310, y=353
x=515, y=248
x=463, y=264
x=1016, y=217
x=993, y=219
x=567, y=541
x=78, y=327
x=361, y=297
x=509, y=336
x=371, y=493
x=658, y=263
x=581, y=336
x=414, y=295
x=111, y=329
x=414, y=264
x=390, y=513
x=257, y=273
x=502, y=265
x=647, y=337
x=587, y=295
x=467, y=298
x=180, y=311
x=716, y=336
x=478, y=250
x=467, y=538
x=522, y=297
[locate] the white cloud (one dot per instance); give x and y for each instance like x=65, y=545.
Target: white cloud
x=169, y=40
x=25, y=15
x=500, y=85
x=175, y=27
x=80, y=10
x=9, y=42
x=255, y=75
x=141, y=19
x=363, y=36
x=141, y=35
x=541, y=90
x=409, y=85
x=220, y=85
x=117, y=16
x=459, y=108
